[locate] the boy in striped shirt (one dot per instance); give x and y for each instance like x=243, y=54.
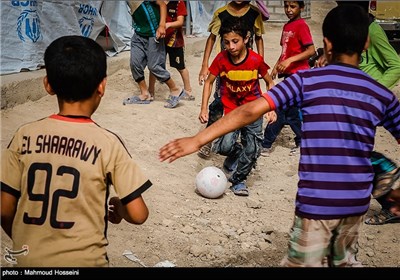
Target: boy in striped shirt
x=341, y=107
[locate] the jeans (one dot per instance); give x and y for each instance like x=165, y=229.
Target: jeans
x=247, y=151
x=215, y=109
x=289, y=116
x=382, y=165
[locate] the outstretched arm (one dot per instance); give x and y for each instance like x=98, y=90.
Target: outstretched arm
x=240, y=117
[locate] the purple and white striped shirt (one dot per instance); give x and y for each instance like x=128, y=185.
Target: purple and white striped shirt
x=341, y=107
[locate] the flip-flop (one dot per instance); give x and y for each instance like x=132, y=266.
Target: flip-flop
x=136, y=100
x=173, y=101
x=240, y=189
x=383, y=217
x=188, y=97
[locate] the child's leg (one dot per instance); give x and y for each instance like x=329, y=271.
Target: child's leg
x=309, y=244
x=186, y=82
x=318, y=243
x=227, y=145
x=294, y=121
x=272, y=130
x=215, y=112
x=251, y=138
x=215, y=109
x=152, y=85
x=177, y=61
x=386, y=174
x=138, y=60
x=156, y=62
x=345, y=244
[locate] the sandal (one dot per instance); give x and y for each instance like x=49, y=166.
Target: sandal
x=173, y=101
x=137, y=100
x=240, y=189
x=188, y=97
x=384, y=183
x=205, y=151
x=383, y=217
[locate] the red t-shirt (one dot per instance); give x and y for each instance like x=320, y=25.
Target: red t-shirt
x=239, y=82
x=296, y=36
x=174, y=36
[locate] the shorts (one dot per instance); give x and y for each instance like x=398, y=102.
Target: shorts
x=324, y=243
x=176, y=57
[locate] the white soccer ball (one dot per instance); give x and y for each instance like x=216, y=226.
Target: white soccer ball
x=211, y=182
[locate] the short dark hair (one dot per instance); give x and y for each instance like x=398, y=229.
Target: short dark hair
x=75, y=66
x=346, y=26
x=236, y=25
x=363, y=4
x=301, y=3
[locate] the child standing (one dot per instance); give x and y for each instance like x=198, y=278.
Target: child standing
x=342, y=106
x=297, y=47
x=148, y=49
x=238, y=68
x=175, y=46
x=56, y=172
x=233, y=10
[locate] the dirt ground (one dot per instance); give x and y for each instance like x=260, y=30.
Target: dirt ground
x=185, y=229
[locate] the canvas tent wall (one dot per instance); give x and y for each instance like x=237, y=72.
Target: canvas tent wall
x=27, y=27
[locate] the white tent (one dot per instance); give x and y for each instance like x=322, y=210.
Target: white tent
x=28, y=27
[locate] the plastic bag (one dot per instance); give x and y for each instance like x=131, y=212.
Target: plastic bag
x=263, y=9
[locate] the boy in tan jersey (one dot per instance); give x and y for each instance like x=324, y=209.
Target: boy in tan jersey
x=56, y=173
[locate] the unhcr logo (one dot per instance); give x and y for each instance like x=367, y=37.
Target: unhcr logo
x=28, y=23
x=28, y=26
x=86, y=25
x=87, y=21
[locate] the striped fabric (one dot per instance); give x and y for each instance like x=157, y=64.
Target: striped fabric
x=341, y=107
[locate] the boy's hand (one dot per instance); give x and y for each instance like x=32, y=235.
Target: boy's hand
x=178, y=148
x=114, y=210
x=270, y=117
x=203, y=117
x=160, y=33
x=281, y=67
x=203, y=75
x=274, y=73
x=321, y=62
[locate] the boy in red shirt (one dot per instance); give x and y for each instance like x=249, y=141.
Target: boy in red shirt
x=297, y=47
x=238, y=68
